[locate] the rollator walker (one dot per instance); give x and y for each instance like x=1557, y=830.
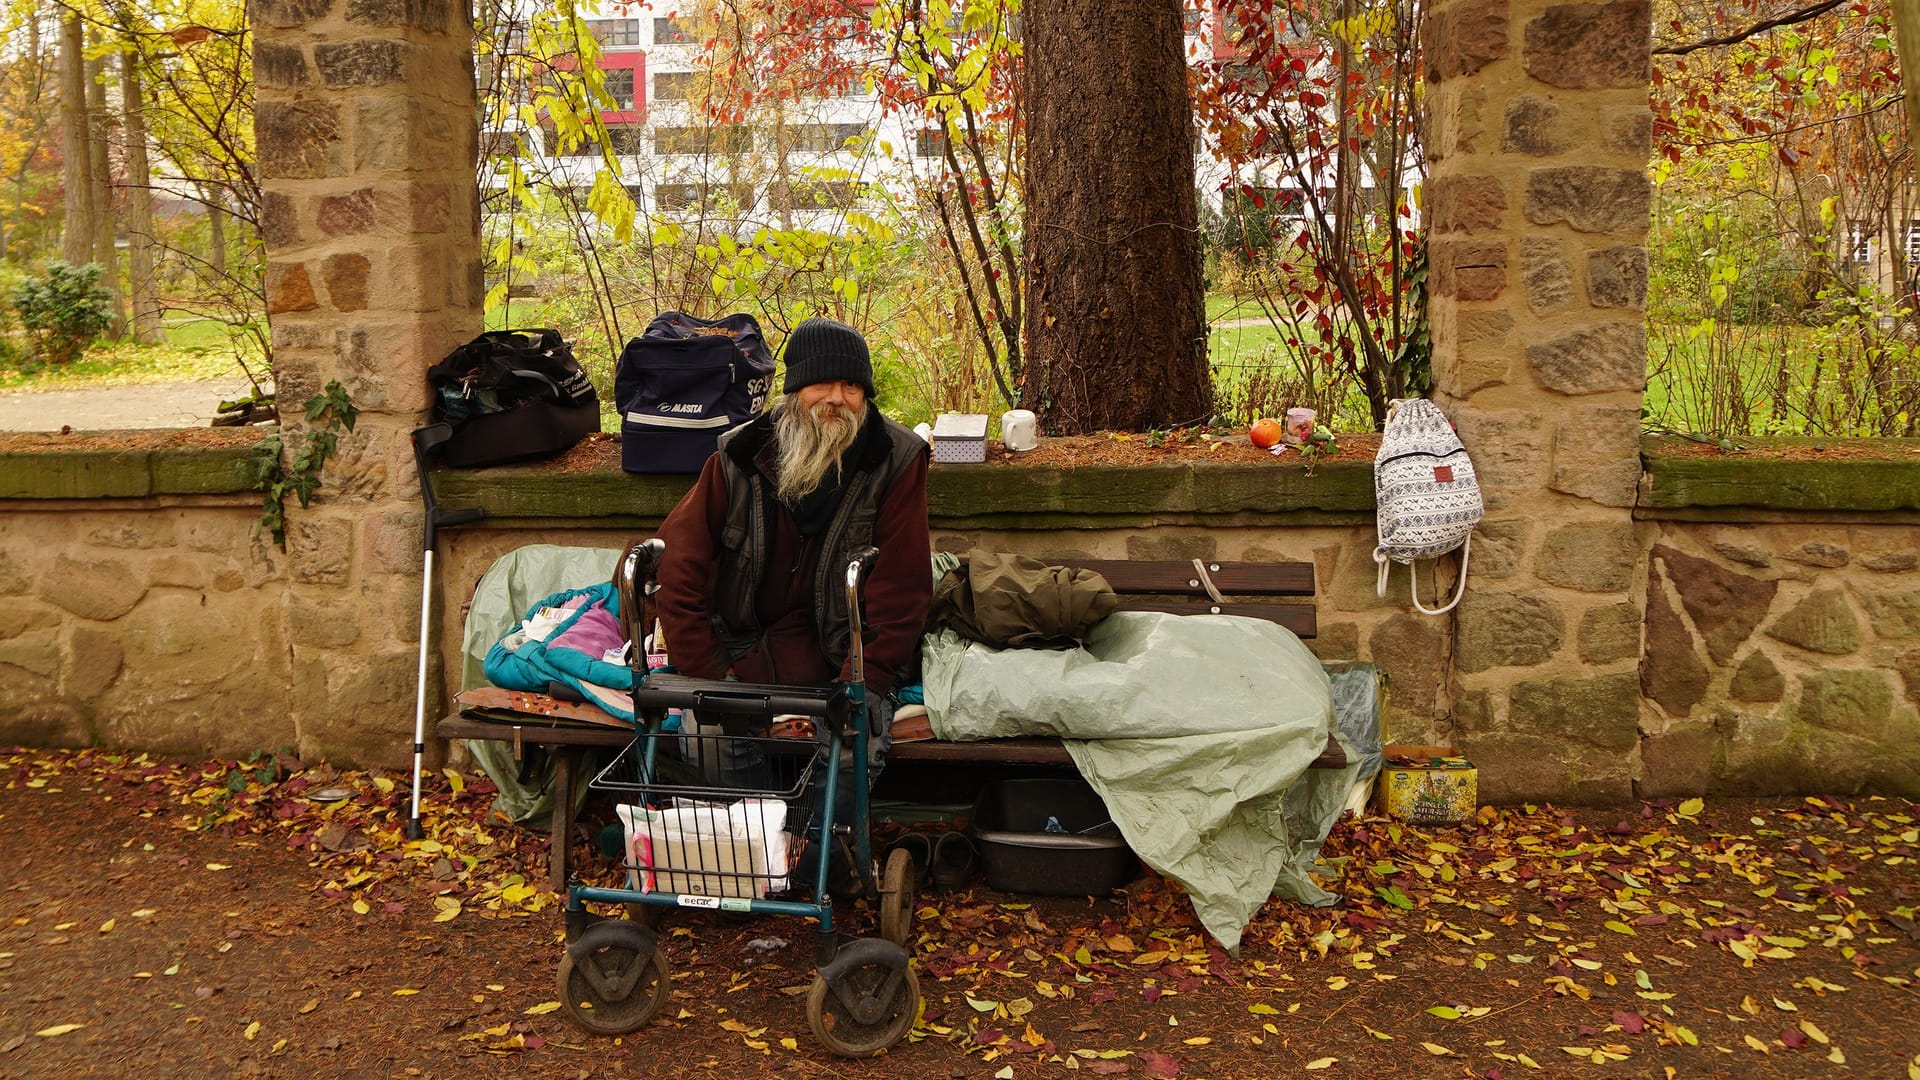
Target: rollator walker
x=734, y=813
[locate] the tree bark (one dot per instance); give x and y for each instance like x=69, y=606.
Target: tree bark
x=146, y=301
x=216, y=231
x=76, y=165
x=99, y=137
x=1115, y=336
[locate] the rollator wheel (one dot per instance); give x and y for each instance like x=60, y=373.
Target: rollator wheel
x=614, y=979
x=897, y=888
x=836, y=1027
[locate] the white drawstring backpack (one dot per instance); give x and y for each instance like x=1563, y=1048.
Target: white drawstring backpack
x=1426, y=500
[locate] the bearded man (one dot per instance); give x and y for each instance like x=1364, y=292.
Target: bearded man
x=753, y=582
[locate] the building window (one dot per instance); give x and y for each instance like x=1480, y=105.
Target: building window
x=675, y=85
x=816, y=195
x=698, y=196
x=627, y=139
x=824, y=138
x=1859, y=244
x=731, y=139
x=620, y=87
x=615, y=33
x=1913, y=242
x=930, y=144
x=670, y=32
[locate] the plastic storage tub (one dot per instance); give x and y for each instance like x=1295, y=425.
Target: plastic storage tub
x=1020, y=854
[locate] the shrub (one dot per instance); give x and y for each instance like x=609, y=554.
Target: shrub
x=62, y=311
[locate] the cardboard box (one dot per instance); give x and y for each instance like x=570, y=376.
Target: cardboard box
x=1428, y=785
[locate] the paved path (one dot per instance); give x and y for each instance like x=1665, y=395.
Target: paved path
x=157, y=405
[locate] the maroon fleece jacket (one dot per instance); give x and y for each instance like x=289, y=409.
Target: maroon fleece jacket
x=899, y=590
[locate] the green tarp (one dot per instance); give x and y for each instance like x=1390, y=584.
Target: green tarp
x=1196, y=730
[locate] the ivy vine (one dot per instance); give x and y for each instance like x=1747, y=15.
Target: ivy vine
x=328, y=414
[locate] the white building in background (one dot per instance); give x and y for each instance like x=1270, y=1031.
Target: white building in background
x=827, y=148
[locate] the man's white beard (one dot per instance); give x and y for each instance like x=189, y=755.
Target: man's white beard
x=810, y=444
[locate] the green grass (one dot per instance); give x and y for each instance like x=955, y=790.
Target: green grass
x=196, y=350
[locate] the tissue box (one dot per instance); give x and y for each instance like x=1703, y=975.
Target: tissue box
x=960, y=438
x=1428, y=785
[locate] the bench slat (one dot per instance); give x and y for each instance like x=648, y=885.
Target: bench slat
x=1179, y=578
x=1302, y=619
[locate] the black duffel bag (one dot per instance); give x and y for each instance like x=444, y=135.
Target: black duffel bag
x=511, y=395
x=684, y=382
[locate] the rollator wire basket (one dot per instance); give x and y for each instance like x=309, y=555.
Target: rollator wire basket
x=688, y=830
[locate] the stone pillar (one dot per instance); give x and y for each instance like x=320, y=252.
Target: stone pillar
x=1538, y=203
x=367, y=139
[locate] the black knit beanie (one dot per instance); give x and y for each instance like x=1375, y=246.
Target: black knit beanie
x=821, y=350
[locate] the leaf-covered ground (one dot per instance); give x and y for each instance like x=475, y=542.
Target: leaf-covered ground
x=215, y=919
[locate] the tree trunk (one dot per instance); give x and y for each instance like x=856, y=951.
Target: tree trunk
x=76, y=166
x=99, y=137
x=1114, y=329
x=216, y=232
x=146, y=301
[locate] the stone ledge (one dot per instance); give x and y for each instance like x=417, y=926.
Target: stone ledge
x=1778, y=475
x=968, y=496
x=126, y=464
x=1771, y=478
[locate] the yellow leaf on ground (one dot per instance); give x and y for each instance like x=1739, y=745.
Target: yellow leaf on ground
x=405, y=992
x=311, y=1005
x=455, y=781
x=360, y=907
x=1691, y=807
x=144, y=912
x=253, y=1029
x=543, y=1008
x=1813, y=1032
x=218, y=866
x=1381, y=1035
x=1756, y=1044
x=1436, y=1049
x=1319, y=1063
x=58, y=1029
x=1263, y=1010
x=1004, y=1074
x=1197, y=1040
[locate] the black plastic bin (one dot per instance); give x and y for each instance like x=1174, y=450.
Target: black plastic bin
x=1020, y=855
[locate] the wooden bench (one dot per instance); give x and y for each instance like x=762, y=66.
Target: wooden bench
x=1212, y=587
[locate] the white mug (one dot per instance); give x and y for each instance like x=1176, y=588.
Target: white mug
x=1019, y=429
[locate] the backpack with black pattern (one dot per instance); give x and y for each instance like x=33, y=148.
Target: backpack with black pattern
x=1426, y=498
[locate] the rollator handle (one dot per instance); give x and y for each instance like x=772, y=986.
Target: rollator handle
x=633, y=585
x=859, y=565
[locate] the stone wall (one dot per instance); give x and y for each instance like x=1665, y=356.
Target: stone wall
x=1538, y=140
x=1781, y=657
x=1777, y=648
x=152, y=627
x=366, y=123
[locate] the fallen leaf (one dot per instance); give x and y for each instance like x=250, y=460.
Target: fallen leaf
x=542, y=1009
x=218, y=866
x=58, y=1029
x=1004, y=1074
x=1319, y=1063
x=1436, y=1049
x=1691, y=807
x=253, y=1029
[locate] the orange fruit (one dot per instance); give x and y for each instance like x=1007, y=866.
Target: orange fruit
x=1265, y=432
